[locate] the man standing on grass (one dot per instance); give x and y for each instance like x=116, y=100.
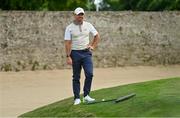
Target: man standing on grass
x=79, y=53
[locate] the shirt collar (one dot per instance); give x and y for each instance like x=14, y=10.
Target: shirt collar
x=77, y=23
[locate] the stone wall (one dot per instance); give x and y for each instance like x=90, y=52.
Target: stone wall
x=31, y=40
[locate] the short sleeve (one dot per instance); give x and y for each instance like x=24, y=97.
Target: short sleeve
x=67, y=34
x=92, y=29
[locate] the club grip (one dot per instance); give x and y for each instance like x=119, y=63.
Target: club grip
x=125, y=97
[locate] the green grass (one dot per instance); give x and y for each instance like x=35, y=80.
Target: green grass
x=159, y=98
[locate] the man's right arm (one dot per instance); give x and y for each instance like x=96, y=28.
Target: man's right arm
x=68, y=51
x=67, y=38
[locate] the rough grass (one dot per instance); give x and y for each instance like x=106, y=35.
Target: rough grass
x=159, y=98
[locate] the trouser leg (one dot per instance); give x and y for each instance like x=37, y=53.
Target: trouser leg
x=76, y=78
x=88, y=70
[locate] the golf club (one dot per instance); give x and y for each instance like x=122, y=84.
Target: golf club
x=117, y=100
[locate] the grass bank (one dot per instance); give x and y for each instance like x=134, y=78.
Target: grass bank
x=157, y=98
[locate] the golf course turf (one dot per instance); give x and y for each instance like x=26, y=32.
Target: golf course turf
x=158, y=98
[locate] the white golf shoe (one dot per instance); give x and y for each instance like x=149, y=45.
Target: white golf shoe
x=88, y=99
x=77, y=101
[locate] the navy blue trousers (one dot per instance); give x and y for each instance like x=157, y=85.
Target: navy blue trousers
x=81, y=59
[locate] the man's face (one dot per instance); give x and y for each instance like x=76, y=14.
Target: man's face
x=79, y=17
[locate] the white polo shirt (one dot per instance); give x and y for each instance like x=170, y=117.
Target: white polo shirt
x=79, y=35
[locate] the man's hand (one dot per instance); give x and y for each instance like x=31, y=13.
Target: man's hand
x=94, y=42
x=69, y=60
x=91, y=48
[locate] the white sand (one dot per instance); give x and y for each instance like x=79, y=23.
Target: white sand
x=24, y=91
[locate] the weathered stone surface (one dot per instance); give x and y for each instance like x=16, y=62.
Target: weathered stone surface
x=31, y=40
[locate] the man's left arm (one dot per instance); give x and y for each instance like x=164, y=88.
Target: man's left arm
x=94, y=42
